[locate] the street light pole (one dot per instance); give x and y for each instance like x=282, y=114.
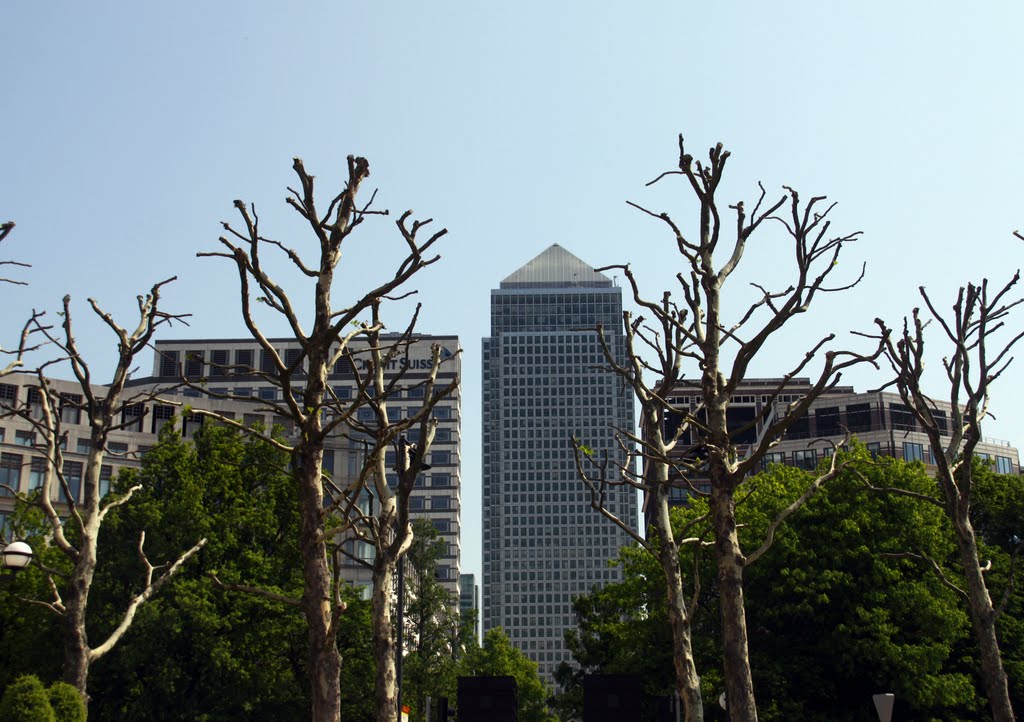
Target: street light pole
x=16, y=556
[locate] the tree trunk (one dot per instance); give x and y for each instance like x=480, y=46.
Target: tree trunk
x=687, y=681
x=322, y=657
x=739, y=685
x=386, y=687
x=983, y=619
x=76, y=639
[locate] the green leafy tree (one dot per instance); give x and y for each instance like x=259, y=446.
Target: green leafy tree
x=432, y=624
x=199, y=653
x=25, y=701
x=835, y=616
x=998, y=516
x=497, y=657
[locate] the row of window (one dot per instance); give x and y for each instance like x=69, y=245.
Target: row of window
x=195, y=364
x=13, y=468
x=911, y=451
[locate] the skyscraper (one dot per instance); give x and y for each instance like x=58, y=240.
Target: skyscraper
x=543, y=545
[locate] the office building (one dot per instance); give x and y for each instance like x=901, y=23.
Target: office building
x=469, y=599
x=223, y=363
x=543, y=544
x=878, y=419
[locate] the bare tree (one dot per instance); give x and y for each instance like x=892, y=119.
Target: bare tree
x=384, y=523
x=81, y=509
x=24, y=345
x=5, y=230
x=315, y=412
x=692, y=331
x=975, y=358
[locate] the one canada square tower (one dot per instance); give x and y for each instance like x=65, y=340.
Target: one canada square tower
x=543, y=383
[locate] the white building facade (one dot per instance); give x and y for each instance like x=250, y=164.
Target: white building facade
x=222, y=364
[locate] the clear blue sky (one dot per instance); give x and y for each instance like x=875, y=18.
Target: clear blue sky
x=128, y=129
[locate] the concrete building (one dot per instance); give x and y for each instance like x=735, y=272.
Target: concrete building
x=543, y=545
x=222, y=362
x=877, y=419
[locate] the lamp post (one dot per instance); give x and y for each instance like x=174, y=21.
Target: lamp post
x=16, y=556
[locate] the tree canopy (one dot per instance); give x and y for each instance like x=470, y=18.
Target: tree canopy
x=835, y=615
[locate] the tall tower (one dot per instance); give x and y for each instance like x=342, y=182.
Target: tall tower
x=543, y=544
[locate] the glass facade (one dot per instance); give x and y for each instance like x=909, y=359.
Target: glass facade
x=543, y=383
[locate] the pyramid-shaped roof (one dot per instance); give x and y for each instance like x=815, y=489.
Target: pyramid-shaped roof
x=555, y=267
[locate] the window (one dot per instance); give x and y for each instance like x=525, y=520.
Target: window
x=243, y=392
x=37, y=473
x=417, y=392
x=1004, y=465
x=219, y=362
x=343, y=392
x=443, y=436
x=169, y=364
x=244, y=360
x=858, y=417
x=342, y=367
x=106, y=474
x=8, y=394
x=3, y=434
x=25, y=438
x=10, y=473
x=73, y=475
x=194, y=364
x=441, y=502
x=292, y=357
x=35, y=403
x=71, y=408
x=84, y=446
x=415, y=503
x=117, y=447
x=365, y=414
x=131, y=416
x=774, y=457
x=441, y=480
x=913, y=451
x=901, y=417
x=267, y=364
x=442, y=412
x=827, y=420
x=874, y=448
x=806, y=459
x=268, y=393
x=162, y=413
x=438, y=458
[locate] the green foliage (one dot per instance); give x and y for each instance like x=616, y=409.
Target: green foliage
x=355, y=642
x=67, y=703
x=25, y=700
x=433, y=643
x=497, y=657
x=833, y=616
x=997, y=512
x=196, y=652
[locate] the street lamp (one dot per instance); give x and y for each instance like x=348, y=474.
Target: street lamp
x=16, y=556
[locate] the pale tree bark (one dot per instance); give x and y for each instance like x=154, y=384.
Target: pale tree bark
x=976, y=353
x=673, y=334
x=372, y=511
x=315, y=412
x=102, y=408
